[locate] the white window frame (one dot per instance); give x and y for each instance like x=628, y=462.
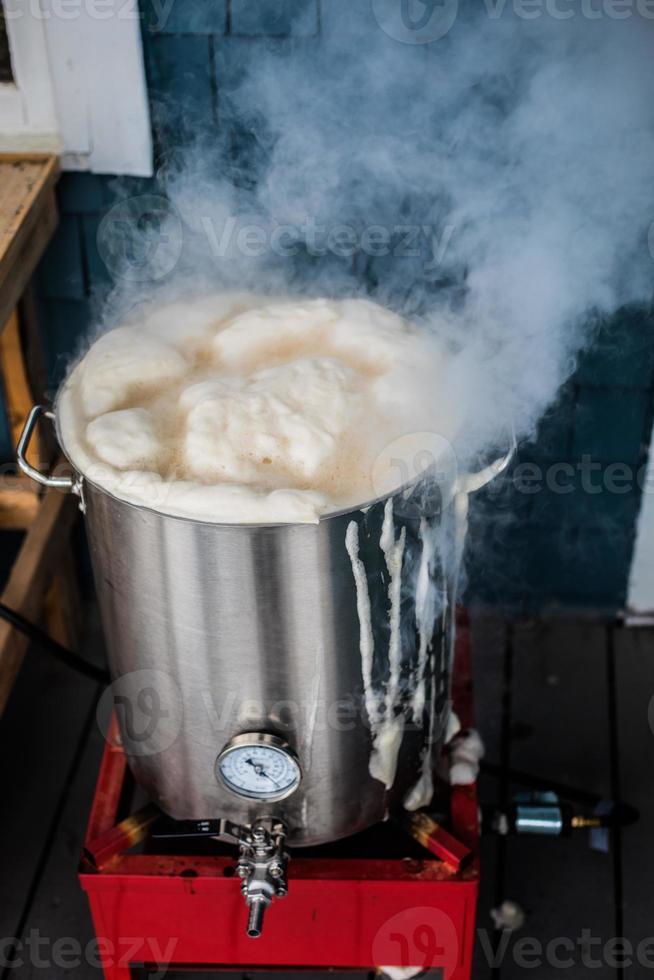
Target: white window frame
x=79, y=84
x=27, y=106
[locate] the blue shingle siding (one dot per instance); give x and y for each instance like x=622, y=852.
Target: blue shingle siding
x=525, y=549
x=184, y=16
x=182, y=87
x=79, y=193
x=65, y=324
x=97, y=273
x=610, y=424
x=530, y=567
x=622, y=353
x=577, y=566
x=609, y=498
x=569, y=548
x=230, y=54
x=61, y=272
x=270, y=18
x=553, y=439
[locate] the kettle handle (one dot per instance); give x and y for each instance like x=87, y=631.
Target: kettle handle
x=58, y=482
x=475, y=481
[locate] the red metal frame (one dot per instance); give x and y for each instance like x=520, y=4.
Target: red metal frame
x=343, y=913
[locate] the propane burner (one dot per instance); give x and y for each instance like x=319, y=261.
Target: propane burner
x=262, y=865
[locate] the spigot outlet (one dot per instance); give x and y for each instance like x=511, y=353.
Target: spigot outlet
x=255, y=918
x=262, y=867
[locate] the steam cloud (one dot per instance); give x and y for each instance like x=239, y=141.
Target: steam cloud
x=520, y=153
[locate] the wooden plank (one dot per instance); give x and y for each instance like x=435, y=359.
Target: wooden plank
x=27, y=156
x=21, y=260
x=634, y=670
x=59, y=908
x=35, y=364
x=49, y=752
x=489, y=637
x=25, y=182
x=19, y=497
x=34, y=567
x=63, y=604
x=560, y=732
x=28, y=217
x=18, y=395
x=560, y=703
x=19, y=504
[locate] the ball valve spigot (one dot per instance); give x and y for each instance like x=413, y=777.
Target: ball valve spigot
x=261, y=867
x=262, y=864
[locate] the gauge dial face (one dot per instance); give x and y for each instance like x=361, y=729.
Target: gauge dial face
x=260, y=767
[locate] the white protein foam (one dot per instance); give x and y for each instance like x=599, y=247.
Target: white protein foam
x=236, y=408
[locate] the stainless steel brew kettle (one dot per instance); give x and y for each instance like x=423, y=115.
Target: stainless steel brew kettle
x=252, y=664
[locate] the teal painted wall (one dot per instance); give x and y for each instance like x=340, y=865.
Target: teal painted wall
x=559, y=529
x=531, y=549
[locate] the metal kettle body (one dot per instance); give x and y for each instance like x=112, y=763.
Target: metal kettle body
x=315, y=636
x=214, y=631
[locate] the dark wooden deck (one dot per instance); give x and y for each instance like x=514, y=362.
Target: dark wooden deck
x=564, y=701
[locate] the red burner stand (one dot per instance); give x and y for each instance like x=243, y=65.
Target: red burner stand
x=342, y=913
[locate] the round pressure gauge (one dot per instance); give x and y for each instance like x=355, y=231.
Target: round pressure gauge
x=259, y=766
